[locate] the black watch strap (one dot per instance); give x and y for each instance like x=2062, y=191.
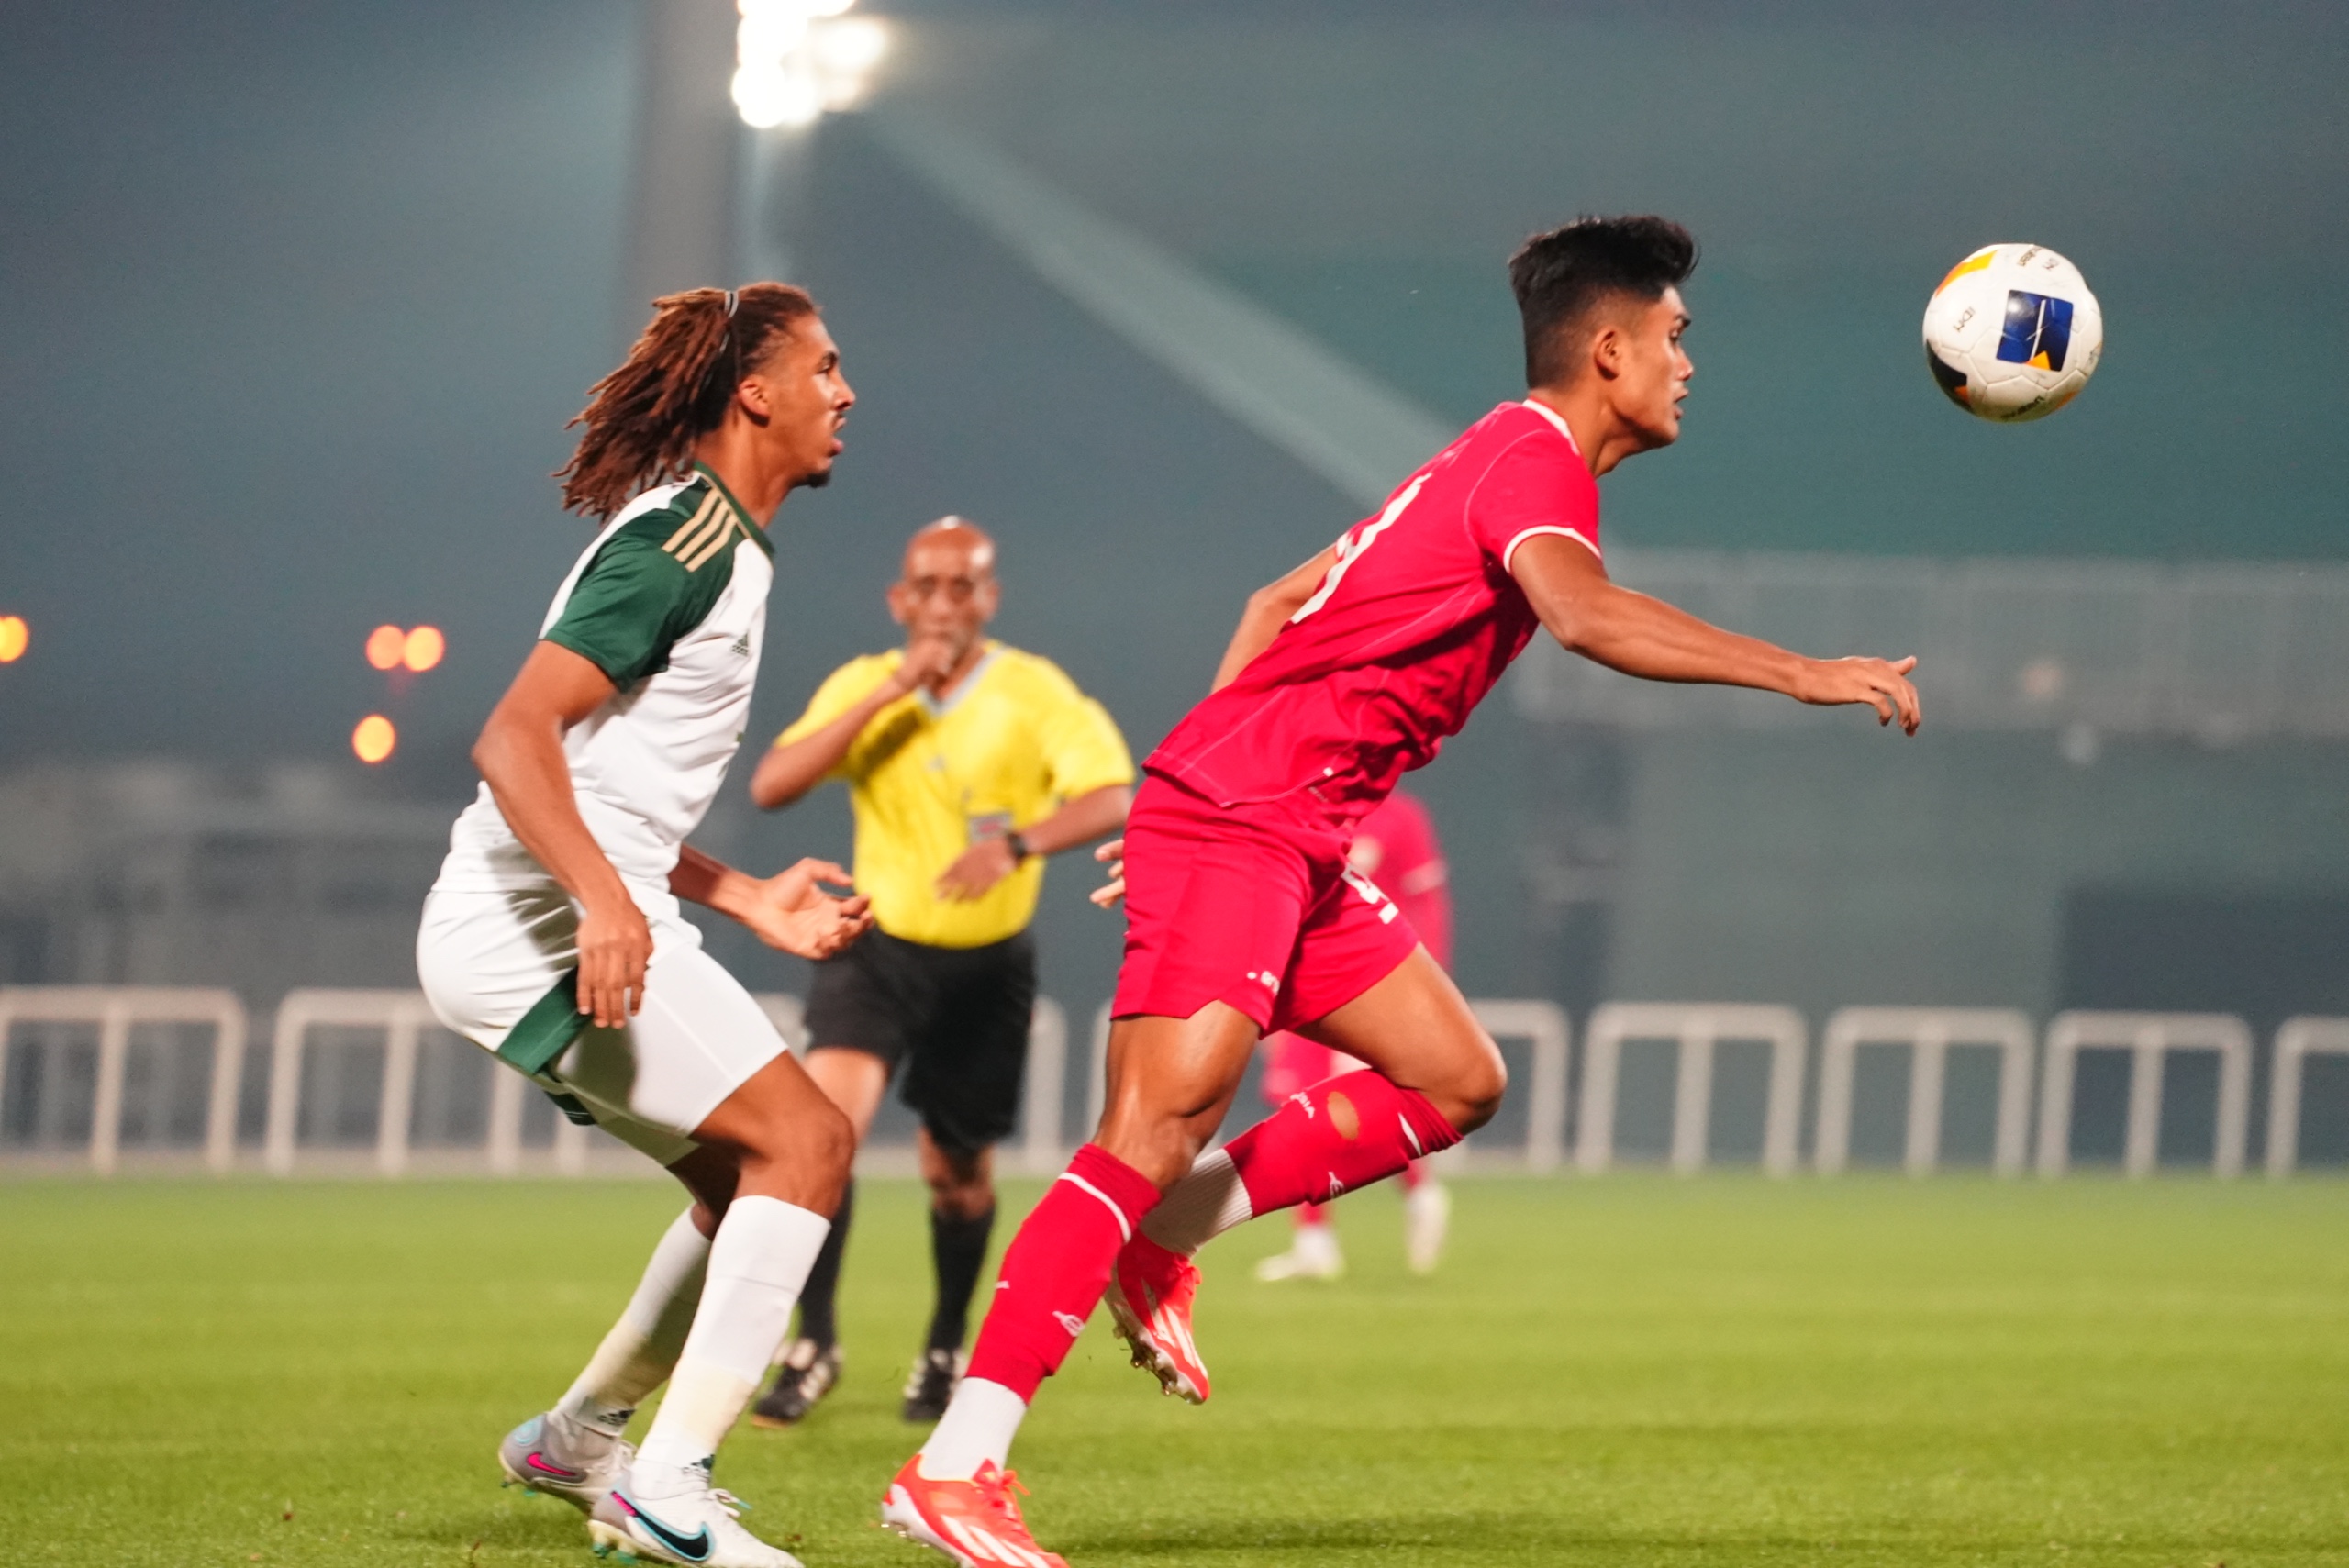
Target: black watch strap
x=1017, y=845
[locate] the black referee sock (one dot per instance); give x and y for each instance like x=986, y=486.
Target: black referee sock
x=816, y=1299
x=959, y=1248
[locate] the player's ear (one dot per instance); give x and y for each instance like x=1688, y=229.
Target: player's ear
x=990, y=595
x=752, y=394
x=1606, y=349
x=901, y=603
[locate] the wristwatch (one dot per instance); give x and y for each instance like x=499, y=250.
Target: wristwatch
x=1017, y=845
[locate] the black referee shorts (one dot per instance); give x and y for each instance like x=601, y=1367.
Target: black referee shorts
x=950, y=1023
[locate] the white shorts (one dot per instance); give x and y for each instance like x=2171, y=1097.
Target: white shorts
x=487, y=960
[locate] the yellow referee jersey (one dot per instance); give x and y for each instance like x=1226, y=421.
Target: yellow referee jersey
x=928, y=778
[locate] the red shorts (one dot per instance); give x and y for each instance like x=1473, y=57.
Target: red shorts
x=1251, y=905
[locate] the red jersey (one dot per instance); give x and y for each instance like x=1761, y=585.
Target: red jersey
x=1412, y=625
x=1397, y=848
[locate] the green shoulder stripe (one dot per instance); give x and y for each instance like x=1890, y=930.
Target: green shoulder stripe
x=652, y=581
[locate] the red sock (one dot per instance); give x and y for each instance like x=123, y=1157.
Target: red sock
x=1310, y=1213
x=1342, y=1133
x=1413, y=1174
x=1056, y=1268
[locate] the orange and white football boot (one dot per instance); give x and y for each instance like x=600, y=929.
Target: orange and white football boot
x=975, y=1522
x=1149, y=1302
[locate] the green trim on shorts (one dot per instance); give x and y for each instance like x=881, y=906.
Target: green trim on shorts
x=547, y=1030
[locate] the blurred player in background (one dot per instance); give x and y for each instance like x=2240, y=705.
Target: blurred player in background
x=1397, y=848
x=1243, y=915
x=967, y=763
x=554, y=935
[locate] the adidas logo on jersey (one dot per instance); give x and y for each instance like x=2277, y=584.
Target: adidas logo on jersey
x=1070, y=1322
x=1267, y=979
x=742, y=645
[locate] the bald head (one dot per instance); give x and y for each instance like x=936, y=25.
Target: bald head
x=946, y=592
x=967, y=542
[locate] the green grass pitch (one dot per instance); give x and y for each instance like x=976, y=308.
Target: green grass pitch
x=1634, y=1371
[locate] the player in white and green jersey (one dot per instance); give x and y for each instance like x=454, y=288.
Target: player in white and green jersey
x=554, y=936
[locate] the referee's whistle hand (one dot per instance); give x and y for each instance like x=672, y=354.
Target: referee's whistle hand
x=1113, y=855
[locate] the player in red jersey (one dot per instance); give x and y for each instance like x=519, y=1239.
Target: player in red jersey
x=1243, y=915
x=1395, y=847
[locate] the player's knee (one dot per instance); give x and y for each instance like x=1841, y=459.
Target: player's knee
x=1475, y=1091
x=827, y=1138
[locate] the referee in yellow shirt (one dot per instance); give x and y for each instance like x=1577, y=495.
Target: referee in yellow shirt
x=967, y=763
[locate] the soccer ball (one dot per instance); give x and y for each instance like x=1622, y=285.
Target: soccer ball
x=2013, y=333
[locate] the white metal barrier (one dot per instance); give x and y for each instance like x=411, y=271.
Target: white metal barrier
x=1928, y=1032
x=1041, y=1154
x=115, y=1008
x=1542, y=1024
x=2299, y=1040
x=1695, y=1028
x=2147, y=1037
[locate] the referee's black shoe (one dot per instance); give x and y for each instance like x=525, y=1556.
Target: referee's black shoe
x=932, y=1384
x=808, y=1371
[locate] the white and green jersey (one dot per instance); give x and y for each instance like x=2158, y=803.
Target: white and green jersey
x=670, y=601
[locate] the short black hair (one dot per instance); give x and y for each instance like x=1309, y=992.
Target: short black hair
x=1562, y=277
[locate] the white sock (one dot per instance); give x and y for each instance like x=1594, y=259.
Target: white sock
x=758, y=1262
x=979, y=1424
x=1204, y=1203
x=637, y=1355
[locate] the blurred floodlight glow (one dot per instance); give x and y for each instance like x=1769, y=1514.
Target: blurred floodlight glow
x=374, y=739
x=795, y=59
x=772, y=96
x=767, y=37
x=851, y=46
x=14, y=638
x=386, y=646
x=422, y=648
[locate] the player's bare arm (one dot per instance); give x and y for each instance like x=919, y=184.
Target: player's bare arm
x=790, y=910
x=989, y=861
x=1269, y=609
x=520, y=756
x=1590, y=614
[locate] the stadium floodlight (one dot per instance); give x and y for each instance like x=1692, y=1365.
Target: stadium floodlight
x=14, y=638
x=796, y=59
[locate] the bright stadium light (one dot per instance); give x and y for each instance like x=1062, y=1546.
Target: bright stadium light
x=796, y=59
x=14, y=638
x=386, y=645
x=374, y=739
x=850, y=47
x=422, y=648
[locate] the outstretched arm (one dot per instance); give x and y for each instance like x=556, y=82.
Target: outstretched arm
x=787, y=911
x=1639, y=635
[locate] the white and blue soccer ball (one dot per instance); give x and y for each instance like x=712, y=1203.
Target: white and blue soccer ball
x=2012, y=333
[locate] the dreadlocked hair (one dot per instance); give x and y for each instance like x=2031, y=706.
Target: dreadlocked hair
x=673, y=388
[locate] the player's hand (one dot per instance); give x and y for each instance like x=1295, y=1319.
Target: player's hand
x=1113, y=855
x=791, y=911
x=976, y=870
x=1881, y=684
x=926, y=659
x=615, y=944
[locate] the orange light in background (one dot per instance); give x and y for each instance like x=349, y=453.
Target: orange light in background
x=385, y=647
x=14, y=638
x=375, y=738
x=422, y=649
